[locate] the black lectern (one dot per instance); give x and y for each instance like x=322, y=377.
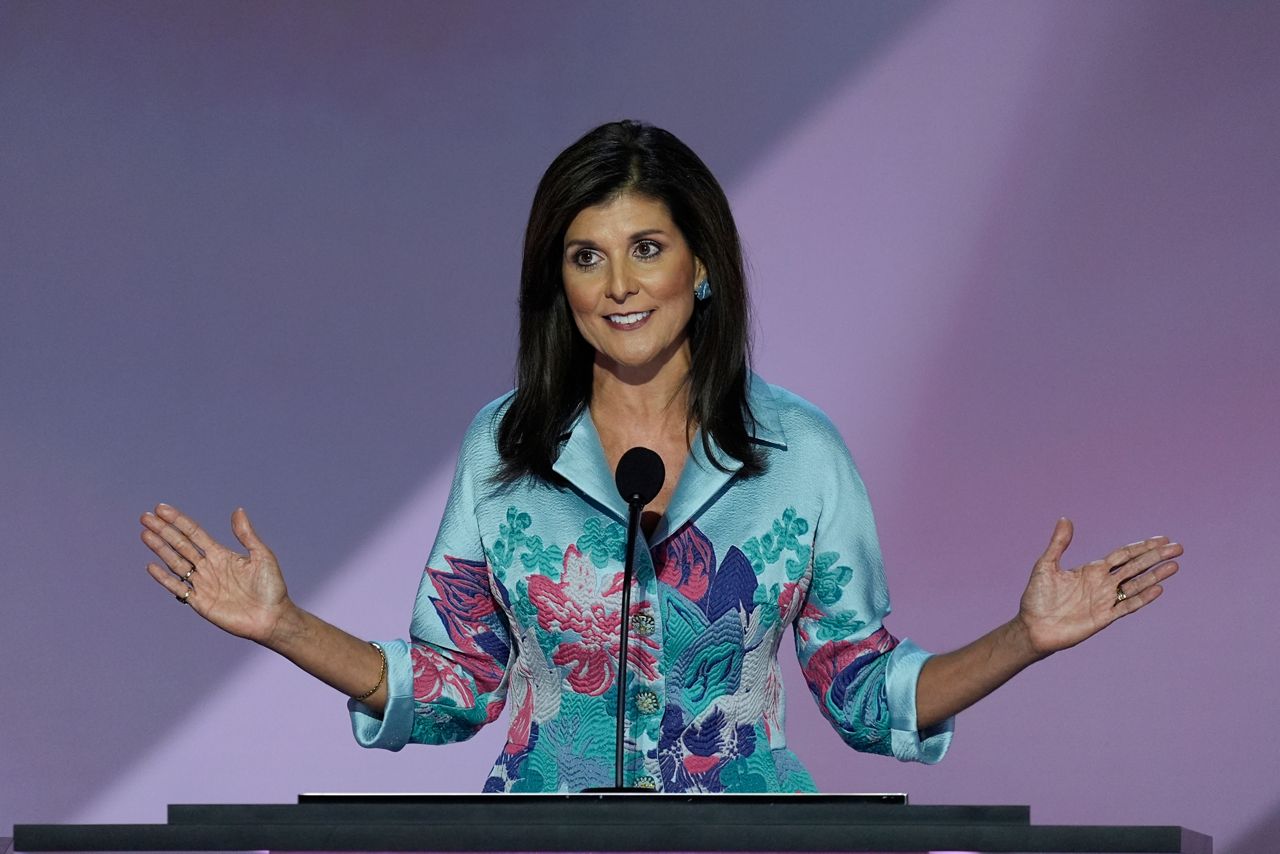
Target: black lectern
x=616, y=822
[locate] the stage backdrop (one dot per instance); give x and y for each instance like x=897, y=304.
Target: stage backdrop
x=1025, y=254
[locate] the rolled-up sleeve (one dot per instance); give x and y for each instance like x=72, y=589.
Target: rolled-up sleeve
x=450, y=678
x=862, y=677
x=391, y=730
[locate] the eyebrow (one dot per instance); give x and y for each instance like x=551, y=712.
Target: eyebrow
x=583, y=243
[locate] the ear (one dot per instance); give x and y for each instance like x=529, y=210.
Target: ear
x=699, y=271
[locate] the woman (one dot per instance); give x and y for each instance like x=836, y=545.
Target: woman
x=633, y=331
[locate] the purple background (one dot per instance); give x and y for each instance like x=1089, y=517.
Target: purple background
x=1025, y=254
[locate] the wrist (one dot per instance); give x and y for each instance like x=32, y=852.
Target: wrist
x=1022, y=638
x=288, y=629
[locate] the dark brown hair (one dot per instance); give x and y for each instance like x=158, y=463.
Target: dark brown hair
x=554, y=366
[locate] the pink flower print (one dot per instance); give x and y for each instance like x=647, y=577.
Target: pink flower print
x=433, y=674
x=834, y=657
x=589, y=623
x=686, y=561
x=787, y=599
x=518, y=734
x=701, y=764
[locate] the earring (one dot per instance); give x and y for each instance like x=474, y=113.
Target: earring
x=702, y=290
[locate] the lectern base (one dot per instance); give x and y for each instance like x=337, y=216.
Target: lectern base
x=610, y=822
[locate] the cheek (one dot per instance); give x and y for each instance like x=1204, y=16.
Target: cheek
x=582, y=305
x=579, y=299
x=675, y=292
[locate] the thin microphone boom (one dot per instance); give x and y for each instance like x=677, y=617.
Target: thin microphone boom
x=639, y=478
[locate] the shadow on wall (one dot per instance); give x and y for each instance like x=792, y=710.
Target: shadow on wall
x=269, y=258
x=1263, y=836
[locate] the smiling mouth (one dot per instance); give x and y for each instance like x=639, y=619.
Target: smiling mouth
x=628, y=321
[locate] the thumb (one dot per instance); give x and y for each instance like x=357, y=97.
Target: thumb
x=243, y=529
x=1058, y=543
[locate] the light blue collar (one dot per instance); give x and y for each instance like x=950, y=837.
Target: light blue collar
x=582, y=464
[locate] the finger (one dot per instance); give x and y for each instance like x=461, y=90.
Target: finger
x=177, y=564
x=173, y=537
x=1146, y=560
x=1161, y=573
x=170, y=582
x=1124, y=554
x=1062, y=532
x=187, y=526
x=1126, y=607
x=244, y=532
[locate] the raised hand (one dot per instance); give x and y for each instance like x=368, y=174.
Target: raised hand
x=243, y=594
x=1062, y=607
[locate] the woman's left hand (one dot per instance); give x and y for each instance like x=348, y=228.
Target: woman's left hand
x=1062, y=607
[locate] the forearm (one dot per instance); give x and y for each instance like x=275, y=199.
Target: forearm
x=338, y=659
x=953, y=682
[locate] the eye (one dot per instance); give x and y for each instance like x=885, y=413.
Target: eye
x=647, y=249
x=585, y=258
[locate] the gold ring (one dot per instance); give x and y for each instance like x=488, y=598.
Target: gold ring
x=1120, y=595
x=184, y=597
x=190, y=572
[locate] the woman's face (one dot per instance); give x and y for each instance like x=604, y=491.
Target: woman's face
x=629, y=278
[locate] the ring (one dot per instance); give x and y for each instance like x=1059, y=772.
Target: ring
x=1120, y=595
x=190, y=572
x=184, y=597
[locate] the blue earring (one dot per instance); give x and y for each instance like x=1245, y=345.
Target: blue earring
x=702, y=290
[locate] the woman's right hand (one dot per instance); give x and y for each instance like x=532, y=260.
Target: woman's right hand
x=243, y=594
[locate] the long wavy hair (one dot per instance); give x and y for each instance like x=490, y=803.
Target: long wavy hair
x=554, y=366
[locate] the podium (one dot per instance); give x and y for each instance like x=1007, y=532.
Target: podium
x=614, y=822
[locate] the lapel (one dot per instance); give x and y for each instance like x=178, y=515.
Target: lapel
x=582, y=463
x=701, y=482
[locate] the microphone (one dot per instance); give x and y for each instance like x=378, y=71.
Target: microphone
x=639, y=478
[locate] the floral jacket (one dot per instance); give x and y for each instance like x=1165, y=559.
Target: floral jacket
x=521, y=596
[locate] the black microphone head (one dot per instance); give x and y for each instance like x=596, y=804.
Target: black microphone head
x=640, y=475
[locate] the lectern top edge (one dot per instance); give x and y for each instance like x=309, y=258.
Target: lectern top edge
x=445, y=797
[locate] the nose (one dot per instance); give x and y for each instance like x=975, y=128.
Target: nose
x=620, y=285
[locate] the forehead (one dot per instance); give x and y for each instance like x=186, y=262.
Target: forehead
x=620, y=217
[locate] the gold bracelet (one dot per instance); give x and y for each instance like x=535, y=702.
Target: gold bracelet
x=382, y=674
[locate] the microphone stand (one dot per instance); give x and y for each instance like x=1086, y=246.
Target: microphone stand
x=639, y=478
x=628, y=568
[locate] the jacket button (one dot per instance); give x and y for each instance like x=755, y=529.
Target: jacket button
x=646, y=782
x=646, y=702
x=642, y=625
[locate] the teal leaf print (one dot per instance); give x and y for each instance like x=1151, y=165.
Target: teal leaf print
x=510, y=536
x=783, y=536
x=839, y=625
x=513, y=529
x=711, y=666
x=829, y=585
x=766, y=600
x=798, y=564
x=603, y=541
x=750, y=773
x=545, y=560
x=824, y=561
x=443, y=721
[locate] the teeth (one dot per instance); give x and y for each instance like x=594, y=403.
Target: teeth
x=624, y=319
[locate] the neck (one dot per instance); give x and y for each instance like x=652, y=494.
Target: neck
x=648, y=398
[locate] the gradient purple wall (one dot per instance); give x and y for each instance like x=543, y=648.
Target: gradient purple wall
x=267, y=255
